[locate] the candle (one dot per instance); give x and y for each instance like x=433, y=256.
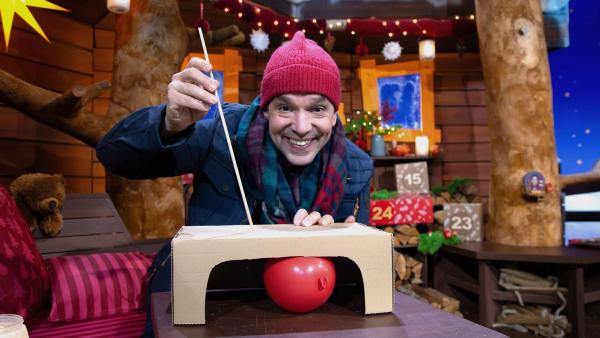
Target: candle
x=118, y=6
x=422, y=146
x=427, y=49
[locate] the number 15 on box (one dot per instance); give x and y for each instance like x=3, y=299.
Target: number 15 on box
x=412, y=178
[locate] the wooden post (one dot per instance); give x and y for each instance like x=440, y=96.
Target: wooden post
x=521, y=126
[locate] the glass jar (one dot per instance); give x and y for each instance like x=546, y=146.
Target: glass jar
x=11, y=326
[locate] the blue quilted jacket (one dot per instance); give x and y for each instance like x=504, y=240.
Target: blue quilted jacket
x=134, y=149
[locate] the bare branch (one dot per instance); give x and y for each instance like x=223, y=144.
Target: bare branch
x=226, y=36
x=73, y=100
x=581, y=183
x=67, y=112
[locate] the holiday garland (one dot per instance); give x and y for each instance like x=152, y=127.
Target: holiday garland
x=431, y=242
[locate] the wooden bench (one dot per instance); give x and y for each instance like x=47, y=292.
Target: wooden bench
x=92, y=224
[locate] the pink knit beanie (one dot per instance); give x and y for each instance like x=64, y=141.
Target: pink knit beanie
x=300, y=66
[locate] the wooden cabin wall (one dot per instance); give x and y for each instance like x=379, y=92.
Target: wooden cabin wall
x=28, y=146
x=459, y=109
x=460, y=113
x=80, y=54
x=104, y=43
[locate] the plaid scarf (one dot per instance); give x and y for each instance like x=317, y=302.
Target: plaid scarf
x=320, y=184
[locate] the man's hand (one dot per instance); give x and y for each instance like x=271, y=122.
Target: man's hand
x=303, y=218
x=189, y=97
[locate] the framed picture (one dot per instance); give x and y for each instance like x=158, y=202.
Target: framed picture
x=402, y=93
x=228, y=76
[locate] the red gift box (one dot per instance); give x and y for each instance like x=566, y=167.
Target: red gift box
x=403, y=209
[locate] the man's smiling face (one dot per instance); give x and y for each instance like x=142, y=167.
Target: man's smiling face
x=300, y=125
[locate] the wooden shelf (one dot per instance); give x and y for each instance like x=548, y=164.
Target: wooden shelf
x=390, y=160
x=463, y=284
x=407, y=246
x=528, y=297
x=591, y=296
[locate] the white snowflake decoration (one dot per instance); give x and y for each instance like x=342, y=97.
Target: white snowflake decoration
x=392, y=50
x=259, y=40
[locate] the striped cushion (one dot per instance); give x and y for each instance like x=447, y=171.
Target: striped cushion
x=96, y=285
x=125, y=325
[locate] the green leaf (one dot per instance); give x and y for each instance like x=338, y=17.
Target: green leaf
x=430, y=243
x=383, y=194
x=438, y=189
x=456, y=183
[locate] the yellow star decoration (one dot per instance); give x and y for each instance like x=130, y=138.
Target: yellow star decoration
x=8, y=8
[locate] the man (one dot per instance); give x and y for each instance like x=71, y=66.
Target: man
x=295, y=162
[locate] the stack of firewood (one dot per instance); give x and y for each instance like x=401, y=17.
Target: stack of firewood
x=466, y=193
x=408, y=270
x=438, y=300
x=404, y=234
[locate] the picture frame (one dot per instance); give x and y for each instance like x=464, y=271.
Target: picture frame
x=402, y=93
x=228, y=76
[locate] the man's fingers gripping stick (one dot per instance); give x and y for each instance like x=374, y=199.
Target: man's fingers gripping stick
x=235, y=167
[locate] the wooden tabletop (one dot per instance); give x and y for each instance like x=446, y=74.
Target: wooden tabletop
x=251, y=313
x=500, y=252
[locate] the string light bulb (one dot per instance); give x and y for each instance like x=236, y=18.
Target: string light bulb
x=405, y=33
x=397, y=23
x=348, y=20
x=384, y=23
x=295, y=19
x=257, y=10
x=288, y=22
x=226, y=9
x=424, y=31
x=390, y=34
x=414, y=20
x=472, y=16
x=303, y=30
x=352, y=32
x=240, y=15
x=320, y=31
x=259, y=24
x=456, y=17
x=275, y=23
x=314, y=20
x=286, y=35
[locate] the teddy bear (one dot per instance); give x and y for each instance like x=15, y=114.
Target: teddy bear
x=40, y=198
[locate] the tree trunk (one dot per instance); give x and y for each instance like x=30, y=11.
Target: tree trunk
x=521, y=126
x=151, y=41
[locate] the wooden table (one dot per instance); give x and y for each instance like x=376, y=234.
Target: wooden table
x=252, y=313
x=474, y=267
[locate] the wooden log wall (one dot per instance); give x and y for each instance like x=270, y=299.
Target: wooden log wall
x=26, y=145
x=81, y=55
x=460, y=110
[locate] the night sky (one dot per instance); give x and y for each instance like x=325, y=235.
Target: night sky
x=576, y=89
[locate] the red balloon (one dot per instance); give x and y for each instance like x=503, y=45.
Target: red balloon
x=299, y=284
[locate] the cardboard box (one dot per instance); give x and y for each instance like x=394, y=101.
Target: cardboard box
x=412, y=178
x=465, y=219
x=404, y=209
x=197, y=250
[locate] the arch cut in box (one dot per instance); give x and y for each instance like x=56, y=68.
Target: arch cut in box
x=196, y=250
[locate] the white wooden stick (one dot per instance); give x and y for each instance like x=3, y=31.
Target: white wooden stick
x=235, y=167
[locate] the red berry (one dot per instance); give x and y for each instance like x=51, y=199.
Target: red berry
x=447, y=233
